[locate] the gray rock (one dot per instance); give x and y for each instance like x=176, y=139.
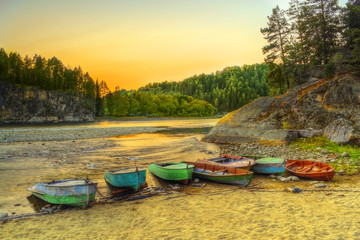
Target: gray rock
x=196, y=180
x=294, y=189
x=3, y=215
x=279, y=135
x=32, y=105
x=345, y=154
x=341, y=131
x=89, y=165
x=294, y=178
x=320, y=185
x=309, y=133
x=324, y=151
x=284, y=179
x=314, y=105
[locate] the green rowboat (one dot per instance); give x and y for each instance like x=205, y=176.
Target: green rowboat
x=180, y=172
x=72, y=192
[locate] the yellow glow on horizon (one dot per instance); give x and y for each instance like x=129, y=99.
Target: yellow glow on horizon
x=132, y=49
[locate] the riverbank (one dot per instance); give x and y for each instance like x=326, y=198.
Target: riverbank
x=98, y=129
x=214, y=211
x=73, y=133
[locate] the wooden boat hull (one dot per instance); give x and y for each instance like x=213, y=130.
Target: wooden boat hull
x=268, y=165
x=180, y=172
x=244, y=163
x=310, y=169
x=76, y=193
x=131, y=178
x=222, y=174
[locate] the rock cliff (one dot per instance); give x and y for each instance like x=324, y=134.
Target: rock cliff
x=327, y=106
x=32, y=105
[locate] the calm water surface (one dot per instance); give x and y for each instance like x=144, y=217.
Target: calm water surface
x=22, y=164
x=169, y=123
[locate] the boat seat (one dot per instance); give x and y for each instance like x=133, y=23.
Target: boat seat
x=307, y=168
x=290, y=164
x=218, y=171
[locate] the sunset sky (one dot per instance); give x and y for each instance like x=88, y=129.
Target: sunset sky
x=131, y=43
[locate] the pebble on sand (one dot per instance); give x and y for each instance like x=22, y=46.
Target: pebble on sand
x=320, y=185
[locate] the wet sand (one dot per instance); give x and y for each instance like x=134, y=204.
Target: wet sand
x=215, y=211
x=212, y=212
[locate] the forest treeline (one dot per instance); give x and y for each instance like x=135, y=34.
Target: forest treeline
x=199, y=95
x=226, y=90
x=52, y=75
x=310, y=34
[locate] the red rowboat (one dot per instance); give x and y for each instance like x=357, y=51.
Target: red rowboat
x=310, y=169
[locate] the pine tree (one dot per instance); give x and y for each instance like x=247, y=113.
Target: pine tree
x=352, y=32
x=277, y=35
x=324, y=27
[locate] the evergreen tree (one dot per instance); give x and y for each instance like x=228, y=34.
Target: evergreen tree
x=277, y=35
x=352, y=32
x=324, y=27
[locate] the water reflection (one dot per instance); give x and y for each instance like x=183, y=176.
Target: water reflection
x=173, y=123
x=23, y=164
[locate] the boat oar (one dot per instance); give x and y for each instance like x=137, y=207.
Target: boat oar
x=138, y=175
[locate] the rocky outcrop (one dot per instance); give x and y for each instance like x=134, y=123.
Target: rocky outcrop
x=342, y=131
x=304, y=111
x=32, y=105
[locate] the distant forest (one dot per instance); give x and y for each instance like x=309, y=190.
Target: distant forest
x=200, y=95
x=226, y=90
x=308, y=35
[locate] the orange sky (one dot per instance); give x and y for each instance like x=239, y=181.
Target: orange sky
x=131, y=43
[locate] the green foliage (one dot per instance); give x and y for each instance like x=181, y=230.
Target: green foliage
x=48, y=74
x=138, y=103
x=330, y=69
x=276, y=33
x=277, y=80
x=286, y=125
x=227, y=90
x=307, y=36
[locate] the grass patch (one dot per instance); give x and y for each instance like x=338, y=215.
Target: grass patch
x=349, y=164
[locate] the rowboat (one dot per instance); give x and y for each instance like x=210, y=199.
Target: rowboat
x=171, y=171
x=131, y=178
x=222, y=174
x=244, y=163
x=269, y=165
x=72, y=192
x=310, y=169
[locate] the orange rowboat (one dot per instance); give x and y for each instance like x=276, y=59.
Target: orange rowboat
x=310, y=169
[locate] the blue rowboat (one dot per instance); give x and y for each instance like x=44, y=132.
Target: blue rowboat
x=269, y=165
x=131, y=178
x=72, y=192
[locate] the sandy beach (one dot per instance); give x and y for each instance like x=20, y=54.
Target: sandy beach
x=264, y=210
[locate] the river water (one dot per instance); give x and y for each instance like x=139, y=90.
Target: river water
x=263, y=210
x=24, y=163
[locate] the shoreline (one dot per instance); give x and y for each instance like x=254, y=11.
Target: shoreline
x=61, y=134
x=263, y=210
